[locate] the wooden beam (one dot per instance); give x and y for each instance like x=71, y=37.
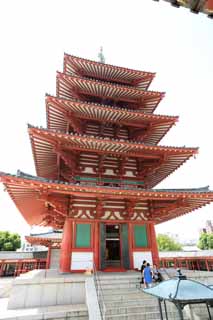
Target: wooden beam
x=51, y=202
x=75, y=123
x=70, y=160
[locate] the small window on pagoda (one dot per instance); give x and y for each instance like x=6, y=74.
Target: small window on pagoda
x=83, y=235
x=140, y=236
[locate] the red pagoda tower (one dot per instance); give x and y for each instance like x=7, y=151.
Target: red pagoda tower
x=97, y=163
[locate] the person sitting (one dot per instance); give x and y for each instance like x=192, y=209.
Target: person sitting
x=156, y=274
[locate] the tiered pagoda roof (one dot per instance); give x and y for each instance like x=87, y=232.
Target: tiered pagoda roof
x=106, y=72
x=98, y=158
x=51, y=239
x=85, y=89
x=162, y=160
x=61, y=113
x=47, y=202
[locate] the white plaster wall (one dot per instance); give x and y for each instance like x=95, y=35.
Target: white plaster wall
x=81, y=260
x=15, y=255
x=139, y=256
x=54, y=259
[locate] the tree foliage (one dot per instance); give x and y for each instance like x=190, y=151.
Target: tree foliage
x=205, y=241
x=166, y=243
x=9, y=241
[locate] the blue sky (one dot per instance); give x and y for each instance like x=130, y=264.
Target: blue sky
x=140, y=34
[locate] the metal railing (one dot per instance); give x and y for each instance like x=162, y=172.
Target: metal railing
x=90, y=267
x=165, y=271
x=99, y=292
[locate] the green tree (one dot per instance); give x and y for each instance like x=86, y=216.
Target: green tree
x=166, y=243
x=9, y=241
x=210, y=241
x=205, y=241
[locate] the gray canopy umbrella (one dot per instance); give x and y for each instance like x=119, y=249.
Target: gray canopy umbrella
x=181, y=292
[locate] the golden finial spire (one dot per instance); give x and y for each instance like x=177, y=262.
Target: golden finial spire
x=101, y=55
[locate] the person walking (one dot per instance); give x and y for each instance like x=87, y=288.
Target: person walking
x=147, y=274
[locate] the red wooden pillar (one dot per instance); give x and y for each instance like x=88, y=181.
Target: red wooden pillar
x=66, y=244
x=130, y=234
x=96, y=245
x=211, y=264
x=207, y=264
x=1, y=268
x=18, y=268
x=154, y=246
x=209, y=4
x=48, y=258
x=198, y=265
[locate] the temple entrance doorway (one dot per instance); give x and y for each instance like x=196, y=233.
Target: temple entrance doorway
x=113, y=246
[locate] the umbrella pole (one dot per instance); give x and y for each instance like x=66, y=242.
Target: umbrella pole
x=165, y=308
x=207, y=306
x=180, y=311
x=160, y=308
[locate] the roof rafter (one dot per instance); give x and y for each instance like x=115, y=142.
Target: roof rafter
x=57, y=110
x=71, y=86
x=167, y=204
x=44, y=143
x=83, y=67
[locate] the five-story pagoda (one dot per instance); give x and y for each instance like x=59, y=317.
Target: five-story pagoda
x=97, y=163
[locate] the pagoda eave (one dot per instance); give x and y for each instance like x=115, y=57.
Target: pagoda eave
x=49, y=146
x=125, y=146
x=83, y=67
x=43, y=201
x=53, y=243
x=76, y=87
x=64, y=112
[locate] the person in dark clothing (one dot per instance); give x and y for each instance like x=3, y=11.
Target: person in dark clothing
x=156, y=274
x=143, y=266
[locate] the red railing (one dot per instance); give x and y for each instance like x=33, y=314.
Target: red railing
x=190, y=263
x=16, y=267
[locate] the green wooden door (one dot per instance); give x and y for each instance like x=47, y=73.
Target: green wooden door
x=102, y=245
x=125, y=246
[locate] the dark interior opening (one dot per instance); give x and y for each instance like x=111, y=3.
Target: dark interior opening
x=113, y=256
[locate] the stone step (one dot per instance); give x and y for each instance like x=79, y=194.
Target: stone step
x=130, y=302
x=138, y=308
x=119, y=277
x=132, y=309
x=134, y=316
x=126, y=297
x=123, y=291
x=123, y=276
x=120, y=286
x=118, y=281
x=143, y=316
